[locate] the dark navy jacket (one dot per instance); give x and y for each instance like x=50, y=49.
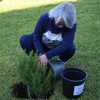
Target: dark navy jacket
x=44, y=24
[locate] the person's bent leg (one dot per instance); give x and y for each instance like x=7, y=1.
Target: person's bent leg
x=68, y=54
x=26, y=42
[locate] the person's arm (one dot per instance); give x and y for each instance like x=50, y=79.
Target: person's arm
x=38, y=32
x=65, y=45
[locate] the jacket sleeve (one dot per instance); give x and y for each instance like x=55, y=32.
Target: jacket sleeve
x=37, y=35
x=65, y=45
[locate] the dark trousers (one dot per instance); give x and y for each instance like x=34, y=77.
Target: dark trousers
x=26, y=42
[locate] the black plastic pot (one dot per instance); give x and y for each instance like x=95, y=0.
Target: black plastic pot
x=57, y=67
x=73, y=80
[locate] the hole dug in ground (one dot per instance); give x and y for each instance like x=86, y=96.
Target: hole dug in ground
x=19, y=90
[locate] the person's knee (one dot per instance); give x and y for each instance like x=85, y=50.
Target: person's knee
x=26, y=42
x=22, y=39
x=68, y=54
x=73, y=48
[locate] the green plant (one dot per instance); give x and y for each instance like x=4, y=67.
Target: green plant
x=35, y=76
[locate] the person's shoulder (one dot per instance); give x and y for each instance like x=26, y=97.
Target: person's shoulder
x=45, y=15
x=74, y=26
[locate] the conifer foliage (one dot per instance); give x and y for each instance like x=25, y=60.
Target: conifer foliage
x=35, y=76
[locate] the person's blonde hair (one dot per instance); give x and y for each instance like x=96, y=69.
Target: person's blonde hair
x=66, y=11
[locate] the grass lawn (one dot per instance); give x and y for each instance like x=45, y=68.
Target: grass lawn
x=18, y=17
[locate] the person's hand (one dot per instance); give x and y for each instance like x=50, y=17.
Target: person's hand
x=43, y=60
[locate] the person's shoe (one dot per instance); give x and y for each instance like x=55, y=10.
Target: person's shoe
x=62, y=61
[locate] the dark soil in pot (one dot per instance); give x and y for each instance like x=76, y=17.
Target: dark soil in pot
x=19, y=90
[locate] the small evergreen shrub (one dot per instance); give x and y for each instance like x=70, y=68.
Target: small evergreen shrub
x=35, y=76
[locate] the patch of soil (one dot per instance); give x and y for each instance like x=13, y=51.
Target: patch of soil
x=19, y=90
